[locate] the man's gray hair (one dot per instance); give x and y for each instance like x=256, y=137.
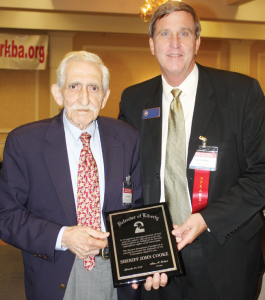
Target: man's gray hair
x=81, y=56
x=169, y=7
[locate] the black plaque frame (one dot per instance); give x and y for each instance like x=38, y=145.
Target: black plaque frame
x=141, y=244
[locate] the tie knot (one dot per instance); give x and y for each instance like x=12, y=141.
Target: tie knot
x=176, y=93
x=85, y=137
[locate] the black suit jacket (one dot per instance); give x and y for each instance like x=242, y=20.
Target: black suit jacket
x=229, y=111
x=36, y=196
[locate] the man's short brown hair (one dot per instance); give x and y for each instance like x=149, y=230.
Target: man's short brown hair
x=169, y=7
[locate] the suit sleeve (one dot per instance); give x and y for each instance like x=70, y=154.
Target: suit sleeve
x=242, y=202
x=18, y=226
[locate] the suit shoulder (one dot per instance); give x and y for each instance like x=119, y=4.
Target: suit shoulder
x=36, y=127
x=227, y=76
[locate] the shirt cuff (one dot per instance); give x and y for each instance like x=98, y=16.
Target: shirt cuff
x=58, y=245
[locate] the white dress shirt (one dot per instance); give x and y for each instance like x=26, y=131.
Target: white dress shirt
x=187, y=99
x=74, y=147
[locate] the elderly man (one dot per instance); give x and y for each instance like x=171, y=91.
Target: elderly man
x=214, y=201
x=59, y=176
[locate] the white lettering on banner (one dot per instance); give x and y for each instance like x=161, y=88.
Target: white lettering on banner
x=27, y=52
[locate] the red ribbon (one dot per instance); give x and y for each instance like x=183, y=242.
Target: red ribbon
x=200, y=190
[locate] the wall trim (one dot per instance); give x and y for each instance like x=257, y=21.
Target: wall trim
x=259, y=67
x=37, y=98
x=218, y=52
x=5, y=130
x=145, y=49
x=2, y=146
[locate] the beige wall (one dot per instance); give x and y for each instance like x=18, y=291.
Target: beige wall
x=24, y=95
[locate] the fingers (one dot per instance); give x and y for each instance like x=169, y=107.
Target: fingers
x=186, y=239
x=179, y=230
x=175, y=226
x=164, y=280
x=155, y=282
x=84, y=241
x=135, y=286
x=177, y=233
x=96, y=234
x=190, y=230
x=80, y=253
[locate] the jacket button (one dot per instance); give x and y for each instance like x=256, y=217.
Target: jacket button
x=35, y=255
x=62, y=286
x=44, y=257
x=39, y=256
x=157, y=175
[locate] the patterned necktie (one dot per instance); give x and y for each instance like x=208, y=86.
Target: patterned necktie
x=88, y=196
x=176, y=194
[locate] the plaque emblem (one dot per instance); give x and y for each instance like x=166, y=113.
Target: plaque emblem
x=139, y=227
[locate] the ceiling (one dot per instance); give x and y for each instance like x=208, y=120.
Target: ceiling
x=235, y=19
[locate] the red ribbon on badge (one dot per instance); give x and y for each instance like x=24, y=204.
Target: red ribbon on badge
x=200, y=190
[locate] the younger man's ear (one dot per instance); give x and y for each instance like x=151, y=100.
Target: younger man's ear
x=57, y=95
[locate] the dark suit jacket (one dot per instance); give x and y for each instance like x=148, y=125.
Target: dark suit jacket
x=36, y=196
x=229, y=111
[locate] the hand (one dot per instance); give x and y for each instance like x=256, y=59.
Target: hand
x=154, y=282
x=84, y=240
x=189, y=231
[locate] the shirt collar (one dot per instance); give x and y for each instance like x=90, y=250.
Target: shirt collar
x=188, y=86
x=75, y=132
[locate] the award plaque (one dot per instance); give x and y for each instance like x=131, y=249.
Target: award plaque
x=141, y=243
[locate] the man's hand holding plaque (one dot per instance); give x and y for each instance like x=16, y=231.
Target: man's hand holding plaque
x=155, y=282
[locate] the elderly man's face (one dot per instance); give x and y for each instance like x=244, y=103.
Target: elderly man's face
x=82, y=93
x=174, y=46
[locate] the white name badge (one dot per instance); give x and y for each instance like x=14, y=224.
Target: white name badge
x=205, y=158
x=127, y=196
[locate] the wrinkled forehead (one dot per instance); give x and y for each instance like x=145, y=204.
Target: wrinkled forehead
x=180, y=18
x=83, y=70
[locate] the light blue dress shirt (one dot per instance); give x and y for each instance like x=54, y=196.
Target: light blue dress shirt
x=74, y=147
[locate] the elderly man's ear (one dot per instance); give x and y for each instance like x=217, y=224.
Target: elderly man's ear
x=105, y=99
x=57, y=95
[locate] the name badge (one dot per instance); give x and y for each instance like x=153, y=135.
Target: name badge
x=205, y=158
x=127, y=192
x=204, y=161
x=151, y=113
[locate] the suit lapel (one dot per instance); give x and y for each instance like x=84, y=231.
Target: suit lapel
x=204, y=107
x=155, y=124
x=203, y=111
x=55, y=155
x=113, y=157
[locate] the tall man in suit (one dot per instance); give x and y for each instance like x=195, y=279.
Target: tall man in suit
x=220, y=243
x=41, y=187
